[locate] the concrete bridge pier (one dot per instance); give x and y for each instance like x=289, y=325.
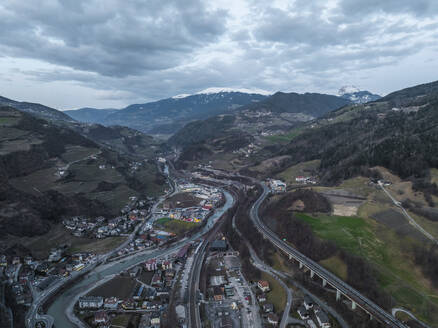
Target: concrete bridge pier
x=338, y=295
x=312, y=273
x=290, y=257
x=324, y=282
x=353, y=305
x=301, y=265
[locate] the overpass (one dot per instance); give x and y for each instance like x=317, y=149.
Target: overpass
x=341, y=287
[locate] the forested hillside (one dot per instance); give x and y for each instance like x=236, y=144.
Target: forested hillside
x=49, y=171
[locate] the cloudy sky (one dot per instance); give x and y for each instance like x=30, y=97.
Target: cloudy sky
x=111, y=53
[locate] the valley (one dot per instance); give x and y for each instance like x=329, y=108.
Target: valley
x=337, y=211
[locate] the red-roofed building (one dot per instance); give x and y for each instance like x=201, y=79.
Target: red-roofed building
x=263, y=285
x=101, y=317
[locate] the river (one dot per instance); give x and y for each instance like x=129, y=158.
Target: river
x=58, y=307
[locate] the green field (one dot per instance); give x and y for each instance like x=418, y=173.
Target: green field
x=58, y=235
x=175, y=226
x=303, y=168
x=91, y=172
x=121, y=320
x=284, y=138
x=9, y=121
x=36, y=182
x=337, y=266
x=388, y=252
x=76, y=153
x=120, y=287
x=98, y=246
x=277, y=295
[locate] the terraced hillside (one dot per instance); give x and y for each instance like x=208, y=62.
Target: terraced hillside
x=230, y=140
x=48, y=172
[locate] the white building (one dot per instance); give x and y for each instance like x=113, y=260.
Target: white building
x=90, y=302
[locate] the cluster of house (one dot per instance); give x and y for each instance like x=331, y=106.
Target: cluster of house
x=304, y=311
x=210, y=198
x=267, y=308
x=306, y=179
x=20, y=273
x=276, y=186
x=102, y=227
x=150, y=299
x=224, y=308
x=246, y=151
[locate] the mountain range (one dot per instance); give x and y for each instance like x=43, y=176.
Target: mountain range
x=90, y=115
x=49, y=170
x=165, y=117
x=37, y=110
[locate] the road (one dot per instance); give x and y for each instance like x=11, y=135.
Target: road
x=406, y=214
x=32, y=315
x=63, y=301
x=194, y=318
x=362, y=301
x=257, y=262
x=395, y=310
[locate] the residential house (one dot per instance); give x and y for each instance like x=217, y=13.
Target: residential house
x=308, y=302
x=156, y=280
x=166, y=265
x=261, y=297
x=111, y=303
x=218, y=293
x=155, y=319
x=151, y=265
x=268, y=307
x=101, y=317
x=3, y=260
x=263, y=285
x=128, y=304
x=311, y=323
x=322, y=319
x=273, y=319
x=303, y=313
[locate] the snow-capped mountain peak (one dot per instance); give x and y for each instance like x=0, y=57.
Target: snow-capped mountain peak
x=241, y=90
x=348, y=89
x=357, y=96
x=214, y=90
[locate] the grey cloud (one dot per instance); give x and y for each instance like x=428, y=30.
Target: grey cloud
x=144, y=50
x=414, y=7
x=114, y=38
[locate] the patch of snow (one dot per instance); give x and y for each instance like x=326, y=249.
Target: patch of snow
x=183, y=95
x=242, y=90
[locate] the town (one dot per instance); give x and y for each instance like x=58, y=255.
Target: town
x=143, y=226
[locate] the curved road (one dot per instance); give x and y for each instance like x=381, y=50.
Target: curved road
x=375, y=310
x=57, y=309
